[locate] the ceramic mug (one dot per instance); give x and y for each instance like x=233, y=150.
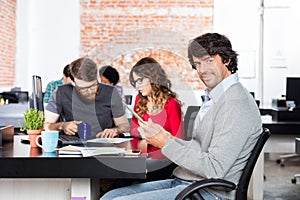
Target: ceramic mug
x=84, y=131
x=49, y=140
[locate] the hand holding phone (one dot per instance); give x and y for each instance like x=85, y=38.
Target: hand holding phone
x=134, y=113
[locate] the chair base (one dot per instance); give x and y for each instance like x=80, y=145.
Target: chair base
x=294, y=180
x=283, y=158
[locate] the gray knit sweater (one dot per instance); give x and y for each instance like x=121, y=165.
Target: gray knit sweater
x=222, y=140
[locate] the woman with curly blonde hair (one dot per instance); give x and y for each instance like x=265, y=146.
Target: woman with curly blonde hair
x=155, y=100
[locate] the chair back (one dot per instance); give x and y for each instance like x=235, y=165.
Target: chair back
x=242, y=187
x=189, y=118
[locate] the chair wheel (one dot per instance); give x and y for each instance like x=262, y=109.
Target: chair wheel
x=294, y=180
x=278, y=161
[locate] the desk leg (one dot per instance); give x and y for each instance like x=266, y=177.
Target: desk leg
x=256, y=185
x=85, y=187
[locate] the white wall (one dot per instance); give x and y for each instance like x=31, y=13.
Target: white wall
x=281, y=46
x=240, y=21
x=48, y=38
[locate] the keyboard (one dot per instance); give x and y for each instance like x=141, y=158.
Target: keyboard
x=71, y=140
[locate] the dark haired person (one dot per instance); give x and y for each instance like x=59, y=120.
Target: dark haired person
x=86, y=100
x=225, y=130
x=110, y=76
x=51, y=86
x=155, y=100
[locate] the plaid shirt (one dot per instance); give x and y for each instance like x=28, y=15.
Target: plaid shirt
x=50, y=87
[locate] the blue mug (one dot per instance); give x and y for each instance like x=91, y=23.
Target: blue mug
x=49, y=140
x=84, y=131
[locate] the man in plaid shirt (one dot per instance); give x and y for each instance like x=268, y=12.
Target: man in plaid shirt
x=67, y=78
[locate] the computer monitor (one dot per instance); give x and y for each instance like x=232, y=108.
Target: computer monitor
x=292, y=90
x=36, y=99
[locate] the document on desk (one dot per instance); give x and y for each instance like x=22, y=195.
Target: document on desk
x=90, y=151
x=70, y=150
x=109, y=140
x=86, y=152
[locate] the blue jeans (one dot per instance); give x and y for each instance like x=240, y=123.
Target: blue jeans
x=155, y=190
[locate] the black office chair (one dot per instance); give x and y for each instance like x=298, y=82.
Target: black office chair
x=189, y=118
x=192, y=191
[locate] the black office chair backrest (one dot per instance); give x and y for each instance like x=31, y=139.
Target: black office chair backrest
x=189, y=118
x=242, y=187
x=128, y=99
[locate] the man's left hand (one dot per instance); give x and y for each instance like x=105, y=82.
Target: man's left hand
x=155, y=134
x=108, y=133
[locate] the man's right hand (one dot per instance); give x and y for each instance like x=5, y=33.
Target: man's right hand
x=70, y=128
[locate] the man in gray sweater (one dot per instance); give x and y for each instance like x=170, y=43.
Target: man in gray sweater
x=225, y=130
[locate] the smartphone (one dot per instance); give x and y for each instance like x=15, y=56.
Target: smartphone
x=134, y=113
x=133, y=152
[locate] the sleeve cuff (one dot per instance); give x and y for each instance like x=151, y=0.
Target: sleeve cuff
x=170, y=146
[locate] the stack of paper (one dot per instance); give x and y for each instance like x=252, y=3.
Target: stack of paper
x=109, y=140
x=70, y=149
x=102, y=151
x=90, y=151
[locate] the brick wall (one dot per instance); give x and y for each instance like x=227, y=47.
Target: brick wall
x=120, y=32
x=7, y=42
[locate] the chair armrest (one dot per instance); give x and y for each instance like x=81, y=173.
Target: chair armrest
x=193, y=188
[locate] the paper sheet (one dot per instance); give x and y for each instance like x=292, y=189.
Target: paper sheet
x=109, y=140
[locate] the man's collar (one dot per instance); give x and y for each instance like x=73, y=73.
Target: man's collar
x=218, y=91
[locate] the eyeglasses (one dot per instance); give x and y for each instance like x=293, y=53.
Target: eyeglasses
x=208, y=61
x=138, y=81
x=85, y=89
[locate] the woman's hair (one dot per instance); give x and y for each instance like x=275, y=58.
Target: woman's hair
x=110, y=73
x=149, y=68
x=213, y=44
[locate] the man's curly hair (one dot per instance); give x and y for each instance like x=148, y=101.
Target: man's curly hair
x=213, y=44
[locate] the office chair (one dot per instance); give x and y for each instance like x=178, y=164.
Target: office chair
x=294, y=180
x=297, y=143
x=189, y=118
x=192, y=191
x=283, y=158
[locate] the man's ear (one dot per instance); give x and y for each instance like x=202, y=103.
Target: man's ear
x=227, y=63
